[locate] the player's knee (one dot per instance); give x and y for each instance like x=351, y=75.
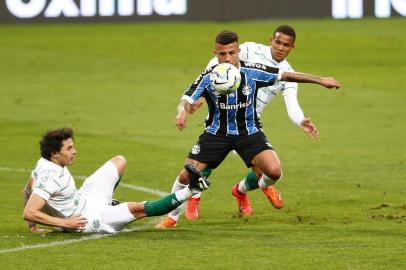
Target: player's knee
x=274, y=173
x=183, y=177
x=120, y=163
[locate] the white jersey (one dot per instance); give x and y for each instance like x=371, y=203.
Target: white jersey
x=57, y=187
x=259, y=53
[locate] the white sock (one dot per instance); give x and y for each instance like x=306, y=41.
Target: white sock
x=265, y=181
x=183, y=194
x=241, y=186
x=177, y=186
x=197, y=196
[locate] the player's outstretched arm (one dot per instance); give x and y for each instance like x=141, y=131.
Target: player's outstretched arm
x=327, y=82
x=32, y=212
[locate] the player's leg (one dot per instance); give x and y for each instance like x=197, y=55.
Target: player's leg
x=209, y=151
x=120, y=163
x=251, y=149
x=100, y=185
x=118, y=216
x=192, y=205
x=180, y=184
x=269, y=160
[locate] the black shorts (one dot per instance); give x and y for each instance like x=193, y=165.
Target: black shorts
x=213, y=149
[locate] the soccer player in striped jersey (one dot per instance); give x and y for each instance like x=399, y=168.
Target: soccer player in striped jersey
x=233, y=123
x=281, y=43
x=52, y=199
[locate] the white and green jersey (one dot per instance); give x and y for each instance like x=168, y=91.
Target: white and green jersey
x=57, y=187
x=259, y=53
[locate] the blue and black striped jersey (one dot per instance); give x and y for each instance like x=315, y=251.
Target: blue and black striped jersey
x=234, y=113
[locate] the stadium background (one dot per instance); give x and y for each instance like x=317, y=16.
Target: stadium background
x=116, y=79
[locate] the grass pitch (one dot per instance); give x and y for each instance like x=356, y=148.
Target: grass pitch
x=118, y=86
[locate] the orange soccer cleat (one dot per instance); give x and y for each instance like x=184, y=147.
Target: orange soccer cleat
x=166, y=223
x=273, y=196
x=243, y=203
x=192, y=209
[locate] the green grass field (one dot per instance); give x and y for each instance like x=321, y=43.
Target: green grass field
x=118, y=86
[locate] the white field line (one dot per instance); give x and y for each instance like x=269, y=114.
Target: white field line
x=84, y=238
x=82, y=177
x=71, y=241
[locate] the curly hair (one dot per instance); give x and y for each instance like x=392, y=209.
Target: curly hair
x=52, y=141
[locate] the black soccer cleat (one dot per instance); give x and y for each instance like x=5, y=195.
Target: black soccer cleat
x=197, y=182
x=115, y=202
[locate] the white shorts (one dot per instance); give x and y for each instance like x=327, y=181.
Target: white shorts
x=98, y=190
x=100, y=185
x=107, y=218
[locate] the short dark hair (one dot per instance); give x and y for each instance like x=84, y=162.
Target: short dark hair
x=226, y=37
x=287, y=30
x=52, y=141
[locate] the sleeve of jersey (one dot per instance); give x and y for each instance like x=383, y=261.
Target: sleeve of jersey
x=213, y=62
x=45, y=186
x=197, y=88
x=292, y=105
x=244, y=51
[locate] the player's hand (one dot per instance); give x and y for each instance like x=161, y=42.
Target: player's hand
x=309, y=128
x=39, y=231
x=196, y=105
x=330, y=82
x=180, y=120
x=76, y=222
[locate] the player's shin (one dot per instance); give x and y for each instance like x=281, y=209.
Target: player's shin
x=166, y=204
x=205, y=173
x=249, y=183
x=265, y=181
x=176, y=212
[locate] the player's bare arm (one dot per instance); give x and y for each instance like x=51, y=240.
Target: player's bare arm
x=327, y=82
x=32, y=213
x=197, y=105
x=26, y=194
x=184, y=108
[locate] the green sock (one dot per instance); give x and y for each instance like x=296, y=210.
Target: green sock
x=206, y=172
x=161, y=206
x=251, y=181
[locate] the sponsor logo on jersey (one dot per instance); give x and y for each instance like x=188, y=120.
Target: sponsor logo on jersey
x=255, y=65
x=195, y=149
x=240, y=105
x=246, y=90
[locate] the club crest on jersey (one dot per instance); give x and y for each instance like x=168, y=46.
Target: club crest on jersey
x=246, y=90
x=96, y=224
x=195, y=149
